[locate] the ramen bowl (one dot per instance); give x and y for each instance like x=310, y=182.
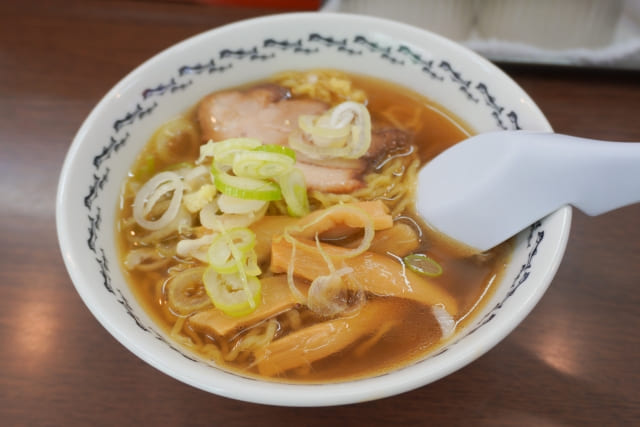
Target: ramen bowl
x=174, y=80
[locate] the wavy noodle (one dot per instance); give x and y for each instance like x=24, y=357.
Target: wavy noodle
x=403, y=117
x=145, y=259
x=329, y=86
x=196, y=339
x=178, y=335
x=158, y=295
x=182, y=225
x=212, y=352
x=256, y=338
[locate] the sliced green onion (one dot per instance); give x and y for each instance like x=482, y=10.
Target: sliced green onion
x=220, y=257
x=230, y=280
x=184, y=291
x=275, y=148
x=251, y=266
x=315, y=125
x=261, y=164
x=294, y=192
x=233, y=205
x=241, y=242
x=245, y=188
x=344, y=131
x=225, y=151
x=230, y=293
x=228, y=250
x=422, y=264
x=242, y=238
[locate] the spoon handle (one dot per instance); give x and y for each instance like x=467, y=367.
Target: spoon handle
x=594, y=176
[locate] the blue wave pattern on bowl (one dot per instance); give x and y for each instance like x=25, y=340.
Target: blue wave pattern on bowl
x=536, y=235
x=398, y=55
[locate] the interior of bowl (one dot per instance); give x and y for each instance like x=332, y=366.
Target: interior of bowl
x=174, y=80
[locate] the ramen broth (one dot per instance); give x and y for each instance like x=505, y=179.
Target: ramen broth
x=408, y=330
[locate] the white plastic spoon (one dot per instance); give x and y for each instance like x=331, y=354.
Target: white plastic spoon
x=487, y=188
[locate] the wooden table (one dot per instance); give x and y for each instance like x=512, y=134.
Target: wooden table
x=574, y=361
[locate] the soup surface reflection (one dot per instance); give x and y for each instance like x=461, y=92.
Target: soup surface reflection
x=308, y=270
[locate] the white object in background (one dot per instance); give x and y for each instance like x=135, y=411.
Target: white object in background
x=491, y=186
x=549, y=24
x=557, y=32
x=587, y=33
x=451, y=18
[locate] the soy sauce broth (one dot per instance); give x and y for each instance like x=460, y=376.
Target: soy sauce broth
x=413, y=331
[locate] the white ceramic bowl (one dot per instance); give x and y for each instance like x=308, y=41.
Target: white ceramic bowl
x=167, y=84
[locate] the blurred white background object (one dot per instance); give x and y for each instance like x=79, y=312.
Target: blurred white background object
x=569, y=32
x=453, y=19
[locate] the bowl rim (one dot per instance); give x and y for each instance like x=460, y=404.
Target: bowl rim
x=288, y=394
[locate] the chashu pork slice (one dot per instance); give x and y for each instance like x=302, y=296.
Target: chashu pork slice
x=265, y=112
x=268, y=113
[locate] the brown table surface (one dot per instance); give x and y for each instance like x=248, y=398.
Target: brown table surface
x=574, y=361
